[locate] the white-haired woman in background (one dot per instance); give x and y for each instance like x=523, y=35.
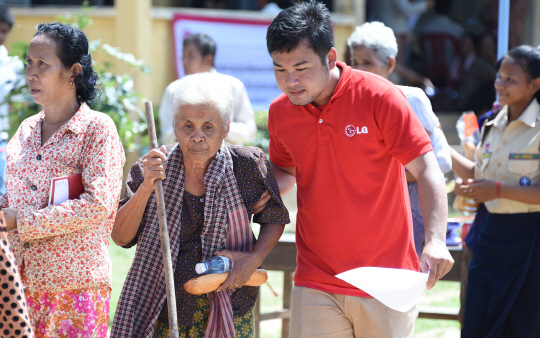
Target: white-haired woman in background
x=210, y=189
x=373, y=49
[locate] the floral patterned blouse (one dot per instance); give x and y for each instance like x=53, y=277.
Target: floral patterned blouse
x=65, y=246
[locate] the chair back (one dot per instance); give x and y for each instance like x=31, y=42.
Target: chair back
x=440, y=50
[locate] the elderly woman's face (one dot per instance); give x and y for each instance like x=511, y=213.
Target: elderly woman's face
x=48, y=79
x=200, y=131
x=367, y=60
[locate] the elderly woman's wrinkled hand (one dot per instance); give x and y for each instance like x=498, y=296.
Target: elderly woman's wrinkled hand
x=244, y=265
x=154, y=167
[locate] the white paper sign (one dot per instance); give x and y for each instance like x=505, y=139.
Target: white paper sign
x=61, y=191
x=398, y=289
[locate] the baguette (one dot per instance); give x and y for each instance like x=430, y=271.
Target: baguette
x=208, y=283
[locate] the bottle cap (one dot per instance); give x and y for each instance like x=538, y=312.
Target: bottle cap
x=200, y=268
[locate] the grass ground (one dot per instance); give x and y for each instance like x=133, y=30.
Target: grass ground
x=443, y=294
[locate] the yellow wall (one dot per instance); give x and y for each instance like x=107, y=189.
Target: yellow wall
x=164, y=65
x=154, y=45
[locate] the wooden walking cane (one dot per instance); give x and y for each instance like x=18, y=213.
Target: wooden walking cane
x=163, y=231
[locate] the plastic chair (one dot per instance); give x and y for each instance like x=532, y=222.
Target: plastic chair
x=439, y=51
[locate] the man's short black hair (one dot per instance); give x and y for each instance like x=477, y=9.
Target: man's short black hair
x=5, y=16
x=205, y=44
x=304, y=20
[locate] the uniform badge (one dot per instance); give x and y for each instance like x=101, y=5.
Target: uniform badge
x=524, y=181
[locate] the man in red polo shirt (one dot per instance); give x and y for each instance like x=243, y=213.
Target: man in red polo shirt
x=346, y=136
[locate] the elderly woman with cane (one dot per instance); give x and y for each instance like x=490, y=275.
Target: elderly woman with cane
x=210, y=190
x=61, y=245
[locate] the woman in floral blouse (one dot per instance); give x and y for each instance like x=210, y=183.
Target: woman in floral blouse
x=62, y=250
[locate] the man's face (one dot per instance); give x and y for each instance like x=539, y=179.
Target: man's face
x=4, y=32
x=193, y=60
x=301, y=75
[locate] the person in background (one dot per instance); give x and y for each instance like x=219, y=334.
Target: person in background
x=199, y=51
x=438, y=22
x=474, y=75
x=437, y=39
x=395, y=14
x=62, y=250
x=10, y=72
x=374, y=49
x=502, y=293
x=345, y=136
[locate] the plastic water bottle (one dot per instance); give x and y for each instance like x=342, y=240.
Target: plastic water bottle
x=216, y=264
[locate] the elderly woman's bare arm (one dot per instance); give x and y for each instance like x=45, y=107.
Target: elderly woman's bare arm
x=245, y=263
x=129, y=217
x=130, y=214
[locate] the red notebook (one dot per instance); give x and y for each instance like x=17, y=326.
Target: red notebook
x=65, y=188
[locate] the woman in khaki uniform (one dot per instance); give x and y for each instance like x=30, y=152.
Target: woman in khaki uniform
x=504, y=275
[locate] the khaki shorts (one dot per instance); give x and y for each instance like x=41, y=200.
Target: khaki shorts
x=320, y=314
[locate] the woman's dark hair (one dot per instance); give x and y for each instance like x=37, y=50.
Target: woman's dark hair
x=304, y=20
x=205, y=44
x=72, y=48
x=529, y=59
x=5, y=16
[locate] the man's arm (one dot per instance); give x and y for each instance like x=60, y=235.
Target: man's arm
x=433, y=202
x=285, y=178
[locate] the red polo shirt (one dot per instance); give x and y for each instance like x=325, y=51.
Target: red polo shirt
x=353, y=202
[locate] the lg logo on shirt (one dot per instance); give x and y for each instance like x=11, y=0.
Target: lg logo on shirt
x=351, y=130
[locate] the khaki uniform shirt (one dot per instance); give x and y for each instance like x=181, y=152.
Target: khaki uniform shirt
x=509, y=155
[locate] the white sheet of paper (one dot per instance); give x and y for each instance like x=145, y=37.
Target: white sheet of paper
x=61, y=191
x=396, y=288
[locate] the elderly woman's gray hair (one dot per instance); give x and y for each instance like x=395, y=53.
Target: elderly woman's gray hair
x=204, y=88
x=377, y=37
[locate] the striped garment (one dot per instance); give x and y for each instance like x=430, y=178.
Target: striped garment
x=226, y=226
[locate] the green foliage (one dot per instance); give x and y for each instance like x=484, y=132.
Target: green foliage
x=118, y=99
x=81, y=21
x=262, y=140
